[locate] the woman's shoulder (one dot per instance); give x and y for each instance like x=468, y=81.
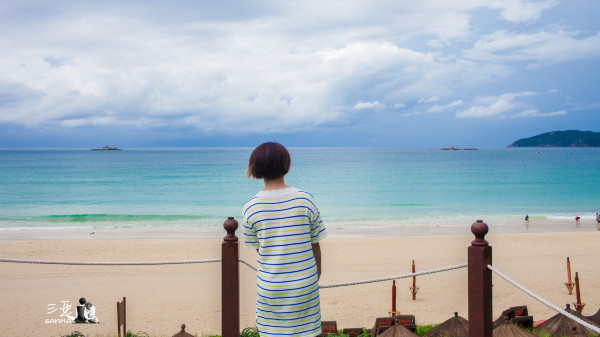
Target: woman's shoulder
x=275, y=194
x=304, y=192
x=282, y=194
x=278, y=196
x=269, y=197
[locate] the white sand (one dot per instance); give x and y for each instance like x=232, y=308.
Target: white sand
x=161, y=298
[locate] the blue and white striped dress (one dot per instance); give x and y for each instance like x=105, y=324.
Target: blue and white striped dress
x=282, y=225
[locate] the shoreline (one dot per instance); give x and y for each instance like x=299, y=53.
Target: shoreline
x=161, y=298
x=497, y=226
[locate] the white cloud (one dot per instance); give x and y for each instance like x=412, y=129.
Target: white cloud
x=535, y=113
x=369, y=105
x=521, y=11
x=181, y=82
x=545, y=47
x=440, y=108
x=495, y=106
x=409, y=114
x=526, y=113
x=262, y=66
x=436, y=108
x=455, y=104
x=429, y=100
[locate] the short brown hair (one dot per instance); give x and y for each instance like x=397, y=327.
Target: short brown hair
x=269, y=161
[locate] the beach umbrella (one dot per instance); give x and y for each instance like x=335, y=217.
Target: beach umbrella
x=453, y=327
x=559, y=324
x=397, y=331
x=510, y=330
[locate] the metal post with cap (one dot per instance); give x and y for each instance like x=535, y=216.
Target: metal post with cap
x=393, y=312
x=480, y=282
x=569, y=284
x=578, y=305
x=414, y=289
x=230, y=281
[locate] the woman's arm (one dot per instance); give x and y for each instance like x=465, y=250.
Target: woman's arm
x=316, y=248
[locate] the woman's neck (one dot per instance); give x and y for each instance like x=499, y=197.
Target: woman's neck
x=274, y=184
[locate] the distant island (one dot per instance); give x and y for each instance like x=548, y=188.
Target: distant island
x=106, y=148
x=452, y=148
x=569, y=138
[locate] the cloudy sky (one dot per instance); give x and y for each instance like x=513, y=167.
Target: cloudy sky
x=424, y=73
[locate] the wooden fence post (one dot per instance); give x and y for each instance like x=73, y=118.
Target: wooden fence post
x=230, y=281
x=122, y=317
x=480, y=283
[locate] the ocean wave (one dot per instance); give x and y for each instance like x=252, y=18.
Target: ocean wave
x=189, y=222
x=410, y=205
x=104, y=217
x=106, y=221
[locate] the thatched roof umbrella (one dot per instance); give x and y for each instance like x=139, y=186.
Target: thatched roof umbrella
x=510, y=330
x=182, y=333
x=453, y=327
x=398, y=331
x=559, y=324
x=595, y=317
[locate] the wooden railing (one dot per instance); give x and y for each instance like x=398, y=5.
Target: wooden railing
x=479, y=282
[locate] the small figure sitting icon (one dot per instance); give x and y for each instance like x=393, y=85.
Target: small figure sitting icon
x=90, y=312
x=86, y=312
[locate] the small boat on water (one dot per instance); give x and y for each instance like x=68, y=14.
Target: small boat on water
x=450, y=148
x=106, y=148
x=470, y=149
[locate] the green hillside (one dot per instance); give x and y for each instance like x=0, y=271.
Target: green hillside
x=569, y=138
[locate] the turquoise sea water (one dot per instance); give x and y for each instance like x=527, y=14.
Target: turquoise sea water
x=196, y=189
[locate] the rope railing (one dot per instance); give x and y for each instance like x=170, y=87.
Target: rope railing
x=156, y=263
x=248, y=264
x=547, y=303
x=78, y=263
x=374, y=280
x=397, y=277
x=230, y=277
x=479, y=280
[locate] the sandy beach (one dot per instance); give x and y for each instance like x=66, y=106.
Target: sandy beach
x=161, y=298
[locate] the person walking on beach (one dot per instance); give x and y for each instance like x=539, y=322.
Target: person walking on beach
x=597, y=218
x=284, y=225
x=527, y=218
